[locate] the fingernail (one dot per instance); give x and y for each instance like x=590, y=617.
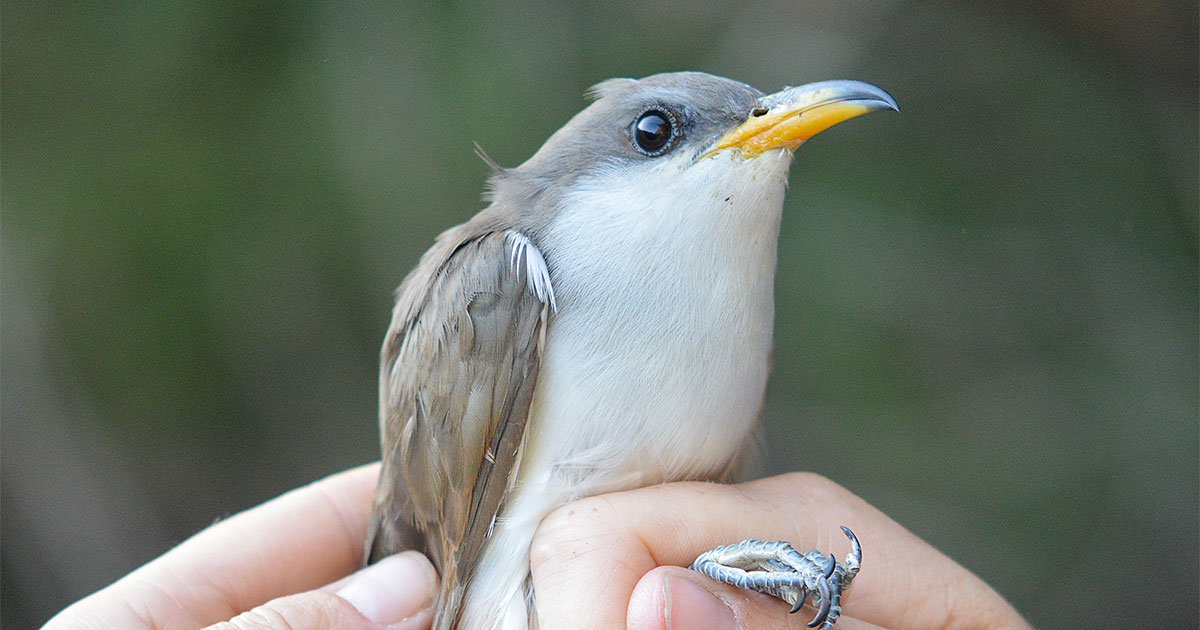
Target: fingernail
x=392, y=589
x=690, y=606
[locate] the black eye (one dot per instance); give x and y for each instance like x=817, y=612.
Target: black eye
x=654, y=131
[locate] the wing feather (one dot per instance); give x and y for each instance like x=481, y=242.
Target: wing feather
x=457, y=374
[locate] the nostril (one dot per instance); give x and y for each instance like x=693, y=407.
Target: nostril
x=759, y=111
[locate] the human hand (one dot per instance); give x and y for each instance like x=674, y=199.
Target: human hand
x=285, y=564
x=603, y=562
x=615, y=561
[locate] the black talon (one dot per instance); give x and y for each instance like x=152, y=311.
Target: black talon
x=854, y=546
x=799, y=602
x=855, y=556
x=830, y=566
x=823, y=590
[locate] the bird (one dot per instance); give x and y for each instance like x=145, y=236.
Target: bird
x=603, y=323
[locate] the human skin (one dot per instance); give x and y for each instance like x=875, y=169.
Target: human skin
x=611, y=561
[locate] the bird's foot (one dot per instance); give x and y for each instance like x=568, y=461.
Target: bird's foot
x=774, y=568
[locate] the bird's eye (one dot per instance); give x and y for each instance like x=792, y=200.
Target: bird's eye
x=654, y=132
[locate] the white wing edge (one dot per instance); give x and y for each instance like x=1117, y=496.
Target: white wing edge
x=537, y=274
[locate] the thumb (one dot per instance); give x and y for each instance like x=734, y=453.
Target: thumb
x=674, y=598
x=395, y=593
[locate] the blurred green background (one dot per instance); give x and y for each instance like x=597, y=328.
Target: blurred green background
x=987, y=304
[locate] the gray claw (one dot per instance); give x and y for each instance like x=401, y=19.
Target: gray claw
x=776, y=569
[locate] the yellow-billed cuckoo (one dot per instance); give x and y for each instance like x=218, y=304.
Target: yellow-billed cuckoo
x=604, y=324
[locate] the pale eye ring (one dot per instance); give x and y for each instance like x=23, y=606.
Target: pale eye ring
x=655, y=130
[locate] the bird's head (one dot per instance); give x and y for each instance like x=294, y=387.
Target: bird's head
x=678, y=129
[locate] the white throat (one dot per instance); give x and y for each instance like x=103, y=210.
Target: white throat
x=665, y=281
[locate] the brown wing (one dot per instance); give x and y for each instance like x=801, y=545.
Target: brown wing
x=457, y=374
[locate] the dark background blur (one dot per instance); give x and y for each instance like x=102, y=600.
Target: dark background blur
x=987, y=305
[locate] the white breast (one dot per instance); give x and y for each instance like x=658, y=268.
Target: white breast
x=656, y=360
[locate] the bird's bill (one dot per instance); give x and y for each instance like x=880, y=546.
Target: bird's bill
x=787, y=118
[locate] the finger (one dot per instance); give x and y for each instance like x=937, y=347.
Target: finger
x=296, y=542
x=395, y=593
x=584, y=564
x=674, y=598
x=588, y=557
